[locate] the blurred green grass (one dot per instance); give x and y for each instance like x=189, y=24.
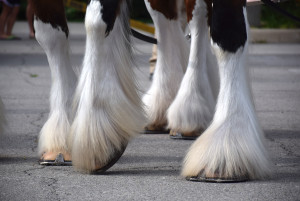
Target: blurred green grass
x=273, y=19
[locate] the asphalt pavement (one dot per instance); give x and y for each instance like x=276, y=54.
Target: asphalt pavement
x=150, y=167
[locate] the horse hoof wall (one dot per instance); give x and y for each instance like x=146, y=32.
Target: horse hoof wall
x=216, y=179
x=117, y=155
x=183, y=136
x=60, y=160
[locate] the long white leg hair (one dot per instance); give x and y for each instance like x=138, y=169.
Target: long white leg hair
x=172, y=57
x=107, y=104
x=53, y=136
x=193, y=107
x=233, y=145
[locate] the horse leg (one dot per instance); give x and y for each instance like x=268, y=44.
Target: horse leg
x=172, y=56
x=107, y=103
x=52, y=34
x=232, y=148
x=192, y=110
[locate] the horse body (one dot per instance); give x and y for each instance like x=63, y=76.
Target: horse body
x=108, y=109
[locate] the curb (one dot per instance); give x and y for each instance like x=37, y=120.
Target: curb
x=275, y=35
x=256, y=35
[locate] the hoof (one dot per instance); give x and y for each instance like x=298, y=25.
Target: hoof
x=155, y=130
x=117, y=155
x=217, y=180
x=53, y=159
x=183, y=136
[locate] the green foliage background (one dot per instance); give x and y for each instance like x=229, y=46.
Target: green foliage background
x=273, y=19
x=140, y=12
x=269, y=17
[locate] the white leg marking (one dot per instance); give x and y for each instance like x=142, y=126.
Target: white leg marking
x=172, y=57
x=233, y=146
x=54, y=42
x=109, y=110
x=194, y=104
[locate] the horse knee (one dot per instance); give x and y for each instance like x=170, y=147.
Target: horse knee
x=101, y=16
x=50, y=23
x=229, y=24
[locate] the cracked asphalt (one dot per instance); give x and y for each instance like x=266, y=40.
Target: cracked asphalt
x=150, y=166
